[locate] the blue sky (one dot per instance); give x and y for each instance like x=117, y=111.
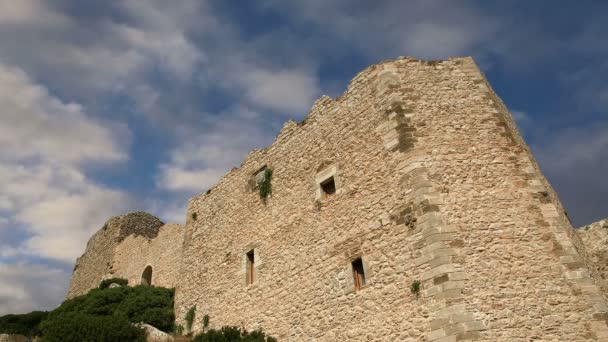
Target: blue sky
x=109, y=107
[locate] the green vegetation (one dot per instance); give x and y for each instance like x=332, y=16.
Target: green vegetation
x=108, y=314
x=233, y=334
x=151, y=305
x=77, y=327
x=265, y=186
x=26, y=324
x=178, y=330
x=190, y=318
x=415, y=287
x=205, y=322
x=103, y=314
x=106, y=283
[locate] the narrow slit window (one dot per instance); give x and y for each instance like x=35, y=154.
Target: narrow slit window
x=328, y=187
x=358, y=274
x=250, y=267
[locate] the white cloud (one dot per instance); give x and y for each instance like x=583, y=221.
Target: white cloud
x=589, y=86
x=203, y=157
x=176, y=178
x=520, y=116
x=44, y=144
x=27, y=287
x=83, y=57
x=36, y=124
x=431, y=39
x=31, y=12
x=425, y=29
x=171, y=209
x=575, y=160
x=170, y=50
x=575, y=147
x=286, y=91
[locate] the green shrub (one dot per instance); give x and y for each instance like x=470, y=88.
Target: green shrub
x=233, y=334
x=190, y=318
x=415, y=287
x=77, y=327
x=178, y=330
x=266, y=186
x=26, y=324
x=151, y=305
x=107, y=282
x=205, y=322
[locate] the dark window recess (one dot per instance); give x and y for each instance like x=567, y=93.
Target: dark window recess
x=250, y=267
x=328, y=187
x=358, y=274
x=146, y=277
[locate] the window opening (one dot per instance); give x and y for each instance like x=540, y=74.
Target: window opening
x=328, y=187
x=250, y=267
x=146, y=277
x=358, y=274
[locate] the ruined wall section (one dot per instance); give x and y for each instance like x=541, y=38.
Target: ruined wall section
x=595, y=240
x=96, y=263
x=163, y=253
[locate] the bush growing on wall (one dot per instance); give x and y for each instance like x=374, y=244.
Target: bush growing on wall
x=190, y=318
x=265, y=187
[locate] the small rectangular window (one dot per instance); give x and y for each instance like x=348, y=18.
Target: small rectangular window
x=358, y=274
x=250, y=267
x=328, y=187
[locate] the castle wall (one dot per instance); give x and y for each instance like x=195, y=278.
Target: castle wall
x=434, y=184
x=102, y=259
x=91, y=267
x=595, y=239
x=163, y=254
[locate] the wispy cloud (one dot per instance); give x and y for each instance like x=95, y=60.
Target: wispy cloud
x=575, y=161
x=27, y=287
x=44, y=144
x=198, y=162
x=185, y=89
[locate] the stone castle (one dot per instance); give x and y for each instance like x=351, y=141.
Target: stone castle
x=407, y=209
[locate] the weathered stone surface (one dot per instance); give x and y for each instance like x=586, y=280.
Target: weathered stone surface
x=127, y=242
x=433, y=183
x=595, y=239
x=154, y=335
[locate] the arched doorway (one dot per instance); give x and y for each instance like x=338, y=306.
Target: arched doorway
x=146, y=277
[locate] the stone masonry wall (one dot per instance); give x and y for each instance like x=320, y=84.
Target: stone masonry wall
x=97, y=261
x=595, y=239
x=434, y=183
x=163, y=254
